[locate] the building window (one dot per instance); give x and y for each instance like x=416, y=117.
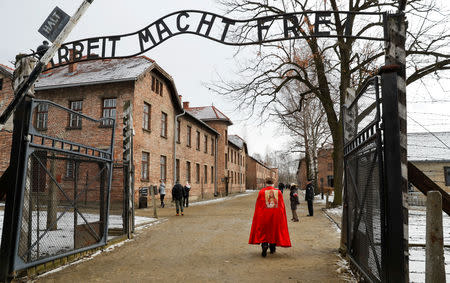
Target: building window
x=212, y=146
x=74, y=119
x=205, y=173
x=144, y=165
x=447, y=175
x=197, y=173
x=147, y=116
x=330, y=181
x=206, y=144
x=108, y=111
x=178, y=131
x=177, y=170
x=157, y=86
x=188, y=136
x=330, y=166
x=163, y=124
x=70, y=172
x=198, y=140
x=226, y=161
x=212, y=174
x=42, y=116
x=188, y=171
x=1, y=83
x=226, y=137
x=163, y=167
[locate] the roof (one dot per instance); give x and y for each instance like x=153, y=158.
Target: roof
x=208, y=113
x=260, y=163
x=95, y=72
x=433, y=147
x=202, y=123
x=104, y=71
x=8, y=71
x=238, y=142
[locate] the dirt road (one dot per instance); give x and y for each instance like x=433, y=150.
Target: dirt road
x=209, y=244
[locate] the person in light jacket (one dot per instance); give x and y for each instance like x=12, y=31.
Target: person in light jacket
x=162, y=192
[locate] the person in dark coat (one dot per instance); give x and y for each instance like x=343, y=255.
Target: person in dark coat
x=309, y=196
x=186, y=191
x=281, y=187
x=293, y=197
x=177, y=196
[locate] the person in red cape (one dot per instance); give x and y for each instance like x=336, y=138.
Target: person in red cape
x=269, y=226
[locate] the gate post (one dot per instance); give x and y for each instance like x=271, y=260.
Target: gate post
x=16, y=178
x=394, y=126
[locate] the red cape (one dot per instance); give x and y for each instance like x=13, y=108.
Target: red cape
x=269, y=221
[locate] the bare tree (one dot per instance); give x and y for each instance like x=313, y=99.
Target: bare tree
x=326, y=68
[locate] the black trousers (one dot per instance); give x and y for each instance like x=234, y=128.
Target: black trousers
x=186, y=201
x=310, y=208
x=267, y=245
x=161, y=197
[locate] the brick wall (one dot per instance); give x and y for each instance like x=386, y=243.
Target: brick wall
x=325, y=169
x=257, y=173
x=236, y=168
x=6, y=95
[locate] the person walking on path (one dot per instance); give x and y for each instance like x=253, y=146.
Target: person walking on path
x=269, y=226
x=186, y=190
x=177, y=196
x=293, y=197
x=281, y=187
x=309, y=196
x=162, y=192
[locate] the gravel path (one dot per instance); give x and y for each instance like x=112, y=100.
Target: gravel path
x=209, y=244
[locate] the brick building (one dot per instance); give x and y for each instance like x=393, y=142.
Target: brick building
x=100, y=88
x=172, y=140
x=235, y=165
x=325, y=175
x=231, y=150
x=6, y=95
x=257, y=172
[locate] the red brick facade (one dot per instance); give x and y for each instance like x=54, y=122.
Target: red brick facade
x=257, y=172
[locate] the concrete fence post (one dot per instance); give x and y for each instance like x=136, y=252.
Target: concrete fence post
x=434, y=259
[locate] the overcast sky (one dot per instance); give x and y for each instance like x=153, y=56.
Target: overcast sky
x=192, y=61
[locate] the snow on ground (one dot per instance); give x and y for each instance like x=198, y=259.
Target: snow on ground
x=416, y=233
x=416, y=230
x=318, y=198
x=216, y=200
x=61, y=240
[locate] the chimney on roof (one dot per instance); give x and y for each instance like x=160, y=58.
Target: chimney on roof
x=185, y=104
x=72, y=66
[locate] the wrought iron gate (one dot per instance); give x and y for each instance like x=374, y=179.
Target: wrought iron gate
x=63, y=199
x=363, y=161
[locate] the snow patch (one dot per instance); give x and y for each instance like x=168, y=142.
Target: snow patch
x=216, y=200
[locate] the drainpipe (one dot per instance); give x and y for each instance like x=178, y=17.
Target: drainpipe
x=175, y=145
x=215, y=166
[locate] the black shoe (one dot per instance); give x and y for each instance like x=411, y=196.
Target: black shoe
x=272, y=249
x=264, y=252
x=264, y=249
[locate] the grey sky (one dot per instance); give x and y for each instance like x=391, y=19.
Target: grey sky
x=192, y=61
